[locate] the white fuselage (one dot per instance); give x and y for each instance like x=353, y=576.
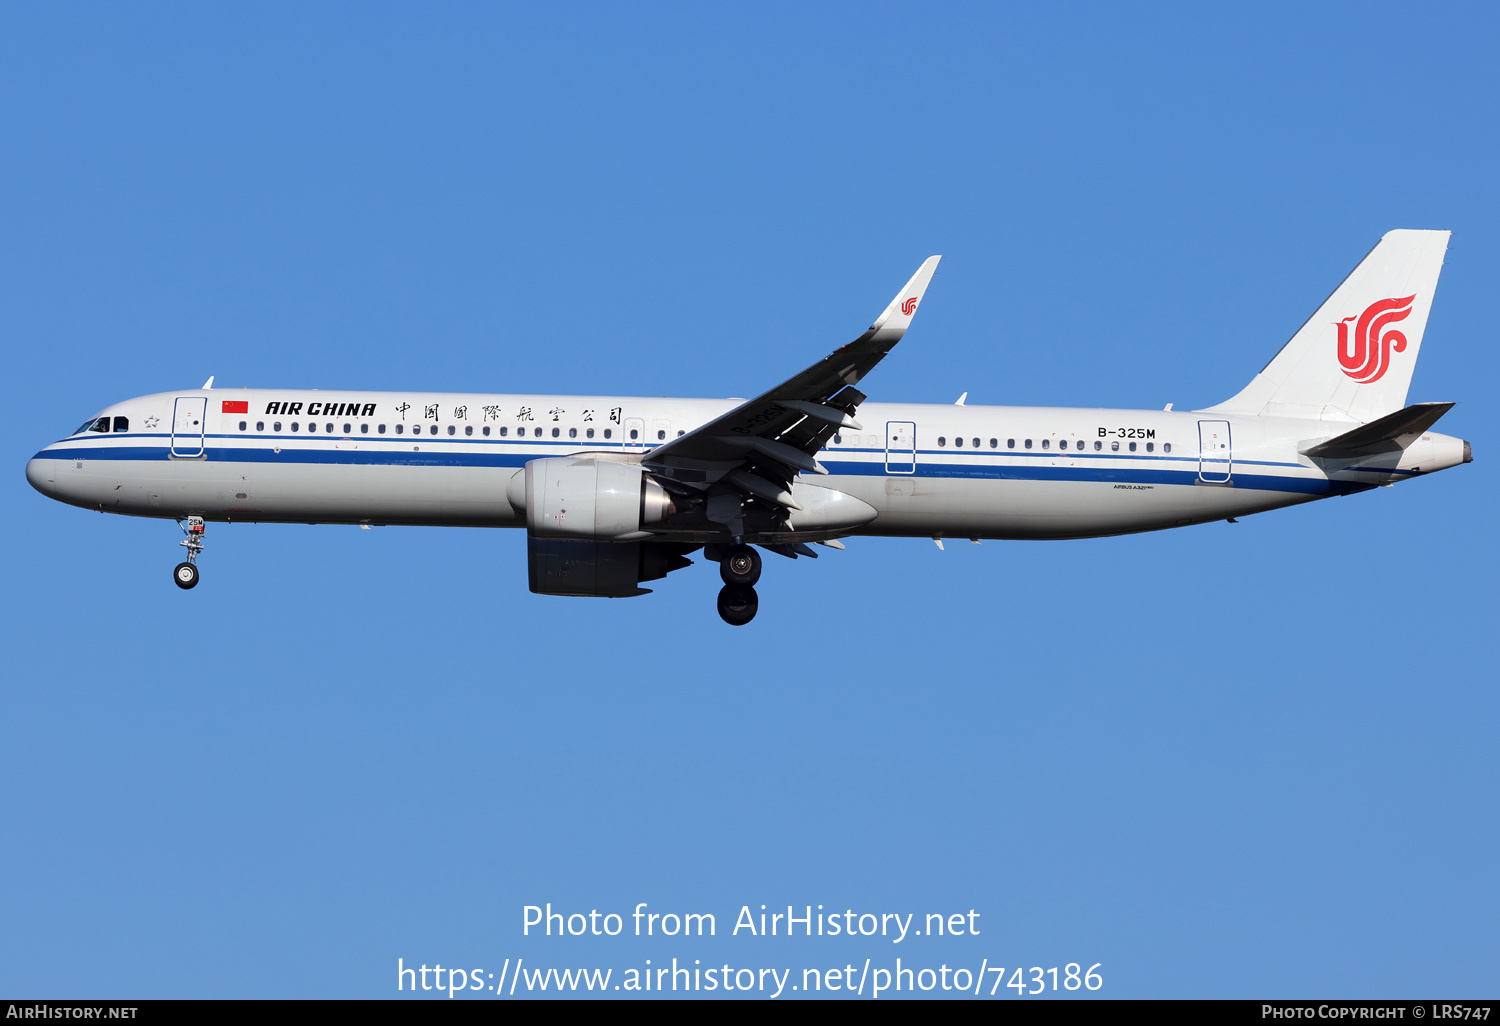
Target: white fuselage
x=926, y=470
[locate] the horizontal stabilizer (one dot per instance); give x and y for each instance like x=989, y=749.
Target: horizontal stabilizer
x=1391, y=433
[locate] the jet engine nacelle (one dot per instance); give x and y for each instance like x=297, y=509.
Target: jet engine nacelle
x=598, y=500
x=565, y=566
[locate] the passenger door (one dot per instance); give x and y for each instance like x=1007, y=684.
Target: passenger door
x=1215, y=452
x=900, y=447
x=188, y=416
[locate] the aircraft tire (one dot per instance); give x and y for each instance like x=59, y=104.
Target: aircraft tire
x=738, y=604
x=740, y=566
x=185, y=575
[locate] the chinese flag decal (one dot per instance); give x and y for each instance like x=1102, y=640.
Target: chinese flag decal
x=235, y=406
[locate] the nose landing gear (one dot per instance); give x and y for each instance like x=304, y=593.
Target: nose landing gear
x=185, y=574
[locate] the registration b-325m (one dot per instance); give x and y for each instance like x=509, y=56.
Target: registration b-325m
x=613, y=491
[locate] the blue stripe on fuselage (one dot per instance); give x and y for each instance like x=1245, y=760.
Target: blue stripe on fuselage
x=433, y=457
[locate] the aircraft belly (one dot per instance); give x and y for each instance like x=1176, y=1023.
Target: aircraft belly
x=906, y=505
x=345, y=493
x=959, y=507
x=298, y=492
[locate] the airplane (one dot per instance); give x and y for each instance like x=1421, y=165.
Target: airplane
x=616, y=491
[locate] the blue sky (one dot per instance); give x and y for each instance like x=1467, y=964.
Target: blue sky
x=1231, y=760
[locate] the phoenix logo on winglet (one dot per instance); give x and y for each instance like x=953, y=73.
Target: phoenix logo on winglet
x=1371, y=355
x=909, y=306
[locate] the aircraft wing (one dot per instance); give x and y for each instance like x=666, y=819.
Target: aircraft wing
x=755, y=450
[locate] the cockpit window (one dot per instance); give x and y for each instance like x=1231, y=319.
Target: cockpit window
x=93, y=424
x=122, y=423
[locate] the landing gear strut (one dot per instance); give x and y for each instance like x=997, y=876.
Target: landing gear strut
x=185, y=574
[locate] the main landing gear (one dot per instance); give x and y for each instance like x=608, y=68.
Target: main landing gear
x=185, y=574
x=740, y=569
x=740, y=565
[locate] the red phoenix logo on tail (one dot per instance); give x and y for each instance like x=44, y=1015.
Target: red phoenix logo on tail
x=908, y=306
x=1369, y=357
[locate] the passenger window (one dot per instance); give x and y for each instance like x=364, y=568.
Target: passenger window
x=1098, y=446
x=634, y=434
x=310, y=427
x=1063, y=444
x=942, y=441
x=400, y=428
x=1150, y=446
x=976, y=443
x=679, y=434
x=260, y=425
x=486, y=430
x=329, y=428
x=994, y=443
x=276, y=426
x=242, y=425
x=538, y=432
x=381, y=429
x=1114, y=446
x=556, y=432
x=1132, y=447
x=1046, y=443
x=958, y=442
x=122, y=423
x=468, y=429
x=1028, y=443
x=433, y=430
x=608, y=433
x=504, y=431
x=452, y=430
x=294, y=425
x=364, y=429
x=572, y=432
x=590, y=432
x=1166, y=447
x=1010, y=443
x=838, y=439
x=661, y=436
x=346, y=429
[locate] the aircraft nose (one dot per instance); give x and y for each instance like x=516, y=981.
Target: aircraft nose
x=43, y=476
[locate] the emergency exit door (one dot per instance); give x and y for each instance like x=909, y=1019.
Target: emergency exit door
x=900, y=447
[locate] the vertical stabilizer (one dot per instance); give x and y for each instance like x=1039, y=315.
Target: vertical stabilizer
x=1354, y=358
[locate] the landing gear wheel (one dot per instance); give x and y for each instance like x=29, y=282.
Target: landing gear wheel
x=740, y=566
x=186, y=574
x=738, y=604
